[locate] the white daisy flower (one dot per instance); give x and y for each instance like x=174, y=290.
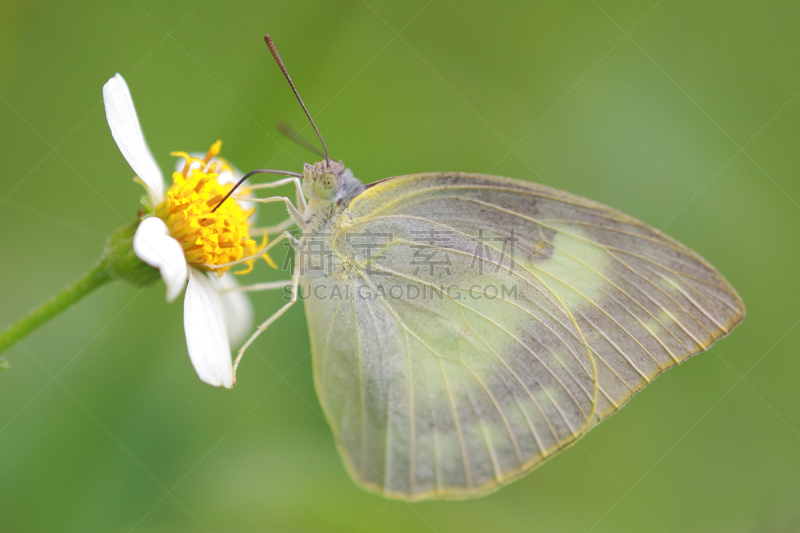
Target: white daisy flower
x=182, y=237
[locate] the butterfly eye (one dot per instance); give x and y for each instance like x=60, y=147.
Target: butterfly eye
x=325, y=187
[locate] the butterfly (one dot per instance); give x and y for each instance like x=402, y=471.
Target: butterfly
x=467, y=327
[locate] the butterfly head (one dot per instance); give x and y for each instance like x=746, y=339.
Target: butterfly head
x=327, y=182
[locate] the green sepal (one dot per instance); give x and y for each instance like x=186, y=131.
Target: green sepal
x=122, y=263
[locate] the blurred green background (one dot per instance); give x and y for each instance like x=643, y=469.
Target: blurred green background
x=682, y=113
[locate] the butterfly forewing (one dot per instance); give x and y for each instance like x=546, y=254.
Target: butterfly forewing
x=469, y=326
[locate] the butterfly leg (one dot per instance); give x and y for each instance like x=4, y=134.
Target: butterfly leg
x=292, y=240
x=276, y=229
x=301, y=199
x=295, y=282
x=293, y=212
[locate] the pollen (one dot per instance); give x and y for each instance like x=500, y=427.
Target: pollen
x=209, y=238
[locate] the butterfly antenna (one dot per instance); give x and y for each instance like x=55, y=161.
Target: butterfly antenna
x=278, y=60
x=293, y=136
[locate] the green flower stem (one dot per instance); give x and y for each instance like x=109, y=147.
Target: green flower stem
x=118, y=262
x=97, y=276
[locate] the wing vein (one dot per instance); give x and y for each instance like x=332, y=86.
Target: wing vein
x=504, y=330
x=491, y=396
x=459, y=431
x=621, y=305
x=361, y=389
x=535, y=402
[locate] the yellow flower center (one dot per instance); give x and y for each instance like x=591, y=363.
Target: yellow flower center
x=209, y=238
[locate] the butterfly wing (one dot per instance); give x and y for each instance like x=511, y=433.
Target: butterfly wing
x=475, y=325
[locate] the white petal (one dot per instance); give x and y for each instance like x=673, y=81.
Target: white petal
x=206, y=336
x=237, y=307
x=153, y=244
x=125, y=128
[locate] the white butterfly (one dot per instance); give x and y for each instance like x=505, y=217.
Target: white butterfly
x=466, y=327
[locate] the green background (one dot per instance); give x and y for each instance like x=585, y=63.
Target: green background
x=682, y=113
